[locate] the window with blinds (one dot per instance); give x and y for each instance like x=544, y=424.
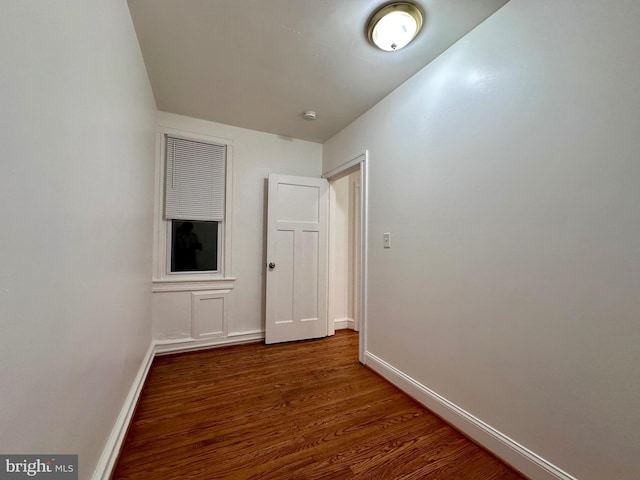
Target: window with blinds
x=194, y=204
x=195, y=180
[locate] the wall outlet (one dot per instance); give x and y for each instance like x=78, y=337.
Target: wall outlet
x=386, y=240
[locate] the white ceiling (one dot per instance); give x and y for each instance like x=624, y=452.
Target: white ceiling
x=260, y=64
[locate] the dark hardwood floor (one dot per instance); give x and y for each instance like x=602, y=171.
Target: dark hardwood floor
x=305, y=410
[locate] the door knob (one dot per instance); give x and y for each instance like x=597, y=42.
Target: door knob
x=272, y=266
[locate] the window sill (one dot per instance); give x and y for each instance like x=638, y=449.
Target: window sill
x=192, y=284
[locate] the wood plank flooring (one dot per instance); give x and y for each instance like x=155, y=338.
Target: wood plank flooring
x=304, y=410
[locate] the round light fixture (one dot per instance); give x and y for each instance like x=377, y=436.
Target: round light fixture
x=393, y=26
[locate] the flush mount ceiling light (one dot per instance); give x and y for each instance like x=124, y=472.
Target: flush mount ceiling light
x=393, y=26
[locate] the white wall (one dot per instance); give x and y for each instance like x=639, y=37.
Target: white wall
x=76, y=127
x=255, y=155
x=507, y=171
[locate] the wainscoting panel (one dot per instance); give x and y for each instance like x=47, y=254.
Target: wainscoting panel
x=209, y=313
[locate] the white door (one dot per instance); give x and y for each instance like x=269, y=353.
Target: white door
x=297, y=252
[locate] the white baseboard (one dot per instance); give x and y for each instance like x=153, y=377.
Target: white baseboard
x=341, y=323
x=516, y=455
x=114, y=443
x=510, y=451
x=164, y=347
x=112, y=448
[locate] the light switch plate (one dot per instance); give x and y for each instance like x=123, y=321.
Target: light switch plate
x=386, y=242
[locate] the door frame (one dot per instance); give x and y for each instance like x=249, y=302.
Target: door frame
x=359, y=161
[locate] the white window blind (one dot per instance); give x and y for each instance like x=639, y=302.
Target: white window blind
x=195, y=181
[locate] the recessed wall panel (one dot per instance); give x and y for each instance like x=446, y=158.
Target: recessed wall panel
x=209, y=313
x=210, y=316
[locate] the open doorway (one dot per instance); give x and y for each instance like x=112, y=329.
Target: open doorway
x=347, y=249
x=344, y=232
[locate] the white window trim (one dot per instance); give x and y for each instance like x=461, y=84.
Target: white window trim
x=161, y=277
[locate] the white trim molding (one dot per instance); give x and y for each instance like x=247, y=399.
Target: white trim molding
x=346, y=168
x=191, y=285
x=116, y=439
x=504, y=447
x=111, y=451
x=342, y=323
x=164, y=347
x=361, y=162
